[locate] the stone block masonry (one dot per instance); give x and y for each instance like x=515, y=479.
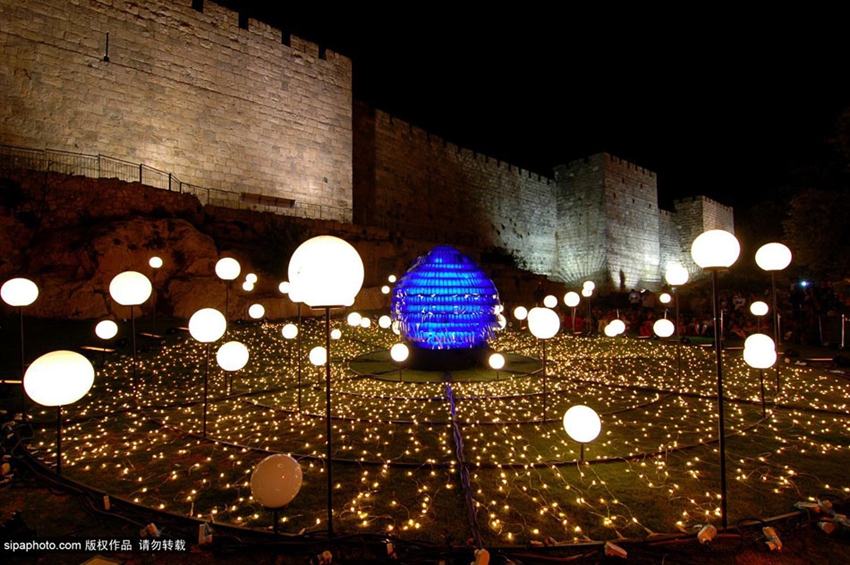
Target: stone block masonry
x=419, y=186
x=188, y=91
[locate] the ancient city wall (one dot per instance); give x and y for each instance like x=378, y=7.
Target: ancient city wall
x=186, y=91
x=582, y=224
x=418, y=185
x=696, y=215
x=631, y=209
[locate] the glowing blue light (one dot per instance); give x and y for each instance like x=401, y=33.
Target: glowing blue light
x=444, y=301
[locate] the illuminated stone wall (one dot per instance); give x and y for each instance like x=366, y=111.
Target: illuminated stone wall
x=598, y=218
x=420, y=186
x=185, y=91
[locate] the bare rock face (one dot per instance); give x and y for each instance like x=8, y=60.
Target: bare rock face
x=73, y=267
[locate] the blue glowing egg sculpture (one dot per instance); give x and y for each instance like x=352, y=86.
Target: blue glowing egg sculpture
x=445, y=301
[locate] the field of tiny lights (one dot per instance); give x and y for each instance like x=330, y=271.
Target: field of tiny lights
x=404, y=452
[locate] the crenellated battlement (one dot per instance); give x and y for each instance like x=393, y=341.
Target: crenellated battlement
x=439, y=146
x=689, y=200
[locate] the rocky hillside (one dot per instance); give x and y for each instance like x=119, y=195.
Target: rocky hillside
x=72, y=235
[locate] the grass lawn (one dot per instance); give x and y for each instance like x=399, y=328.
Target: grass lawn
x=444, y=457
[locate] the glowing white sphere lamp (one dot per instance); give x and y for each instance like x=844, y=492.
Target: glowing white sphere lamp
x=590, y=285
x=520, y=313
x=365, y=322
x=663, y=327
x=289, y=331
x=618, y=325
x=587, y=292
x=130, y=288
x=227, y=268
x=155, y=263
x=760, y=358
x=251, y=278
x=232, y=356
x=392, y=278
x=336, y=333
x=550, y=301
x=275, y=482
x=773, y=257
x=318, y=356
x=57, y=379
x=106, y=329
x=610, y=331
x=502, y=321
x=399, y=354
x=582, y=424
x=496, y=361
x=571, y=299
x=284, y=287
x=385, y=289
x=760, y=353
x=206, y=326
x=385, y=321
x=256, y=311
x=19, y=292
x=759, y=342
x=665, y=298
x=676, y=275
x=327, y=271
x=247, y=286
x=353, y=319
x=714, y=250
x=759, y=308
x=543, y=324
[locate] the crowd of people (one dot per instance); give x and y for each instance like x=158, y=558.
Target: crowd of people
x=801, y=310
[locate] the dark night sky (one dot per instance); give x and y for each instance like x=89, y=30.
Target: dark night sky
x=715, y=104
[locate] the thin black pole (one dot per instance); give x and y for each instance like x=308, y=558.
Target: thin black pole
x=274, y=527
x=227, y=301
x=153, y=330
x=23, y=362
x=544, y=379
x=678, y=340
x=775, y=328
x=763, y=408
x=133, y=329
x=582, y=451
x=299, y=357
x=574, y=321
x=718, y=348
x=328, y=417
x=58, y=440
x=206, y=379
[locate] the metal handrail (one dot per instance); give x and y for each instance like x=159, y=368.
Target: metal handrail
x=104, y=166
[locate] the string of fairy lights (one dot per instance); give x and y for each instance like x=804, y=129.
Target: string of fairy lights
x=653, y=468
